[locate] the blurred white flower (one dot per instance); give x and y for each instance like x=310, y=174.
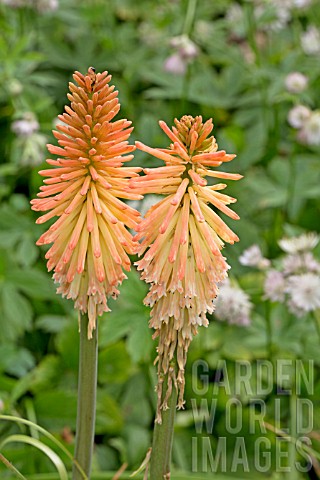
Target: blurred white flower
x=145, y=204
x=185, y=46
x=276, y=13
x=291, y=264
x=281, y=3
x=186, y=51
x=294, y=3
x=252, y=257
x=233, y=305
x=234, y=14
x=310, y=263
x=236, y=19
x=283, y=17
x=26, y=126
x=310, y=132
x=44, y=6
x=298, y=115
x=203, y=30
x=301, y=3
x=41, y=6
x=56, y=121
x=149, y=34
x=175, y=64
x=15, y=3
x=15, y=87
x=304, y=291
x=310, y=41
x=296, y=82
x=190, y=50
x=294, y=309
x=31, y=149
x=303, y=243
x=274, y=286
x=300, y=263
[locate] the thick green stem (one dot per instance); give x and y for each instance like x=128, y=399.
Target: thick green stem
x=163, y=440
x=87, y=388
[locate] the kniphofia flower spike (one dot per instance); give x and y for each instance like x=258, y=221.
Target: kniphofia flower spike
x=90, y=240
x=182, y=237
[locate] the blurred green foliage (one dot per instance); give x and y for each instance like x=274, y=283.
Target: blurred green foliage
x=238, y=78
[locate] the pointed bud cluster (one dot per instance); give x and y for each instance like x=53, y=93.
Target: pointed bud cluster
x=181, y=238
x=90, y=239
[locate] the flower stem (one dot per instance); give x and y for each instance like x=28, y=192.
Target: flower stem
x=191, y=11
x=269, y=329
x=9, y=465
x=291, y=204
x=87, y=388
x=187, y=29
x=185, y=89
x=163, y=440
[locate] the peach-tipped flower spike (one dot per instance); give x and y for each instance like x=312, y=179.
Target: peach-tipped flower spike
x=182, y=237
x=90, y=240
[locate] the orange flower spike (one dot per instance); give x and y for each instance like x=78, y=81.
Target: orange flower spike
x=183, y=237
x=84, y=189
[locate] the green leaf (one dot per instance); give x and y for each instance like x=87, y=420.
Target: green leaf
x=105, y=458
x=138, y=442
x=9, y=238
x=46, y=375
x=27, y=252
x=17, y=313
x=129, y=317
x=15, y=361
x=265, y=191
x=114, y=364
x=9, y=466
x=140, y=341
x=109, y=417
x=56, y=460
x=56, y=409
x=52, y=438
x=67, y=343
x=19, y=202
x=51, y=323
x=12, y=220
x=234, y=350
x=114, y=327
x=134, y=401
x=32, y=282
